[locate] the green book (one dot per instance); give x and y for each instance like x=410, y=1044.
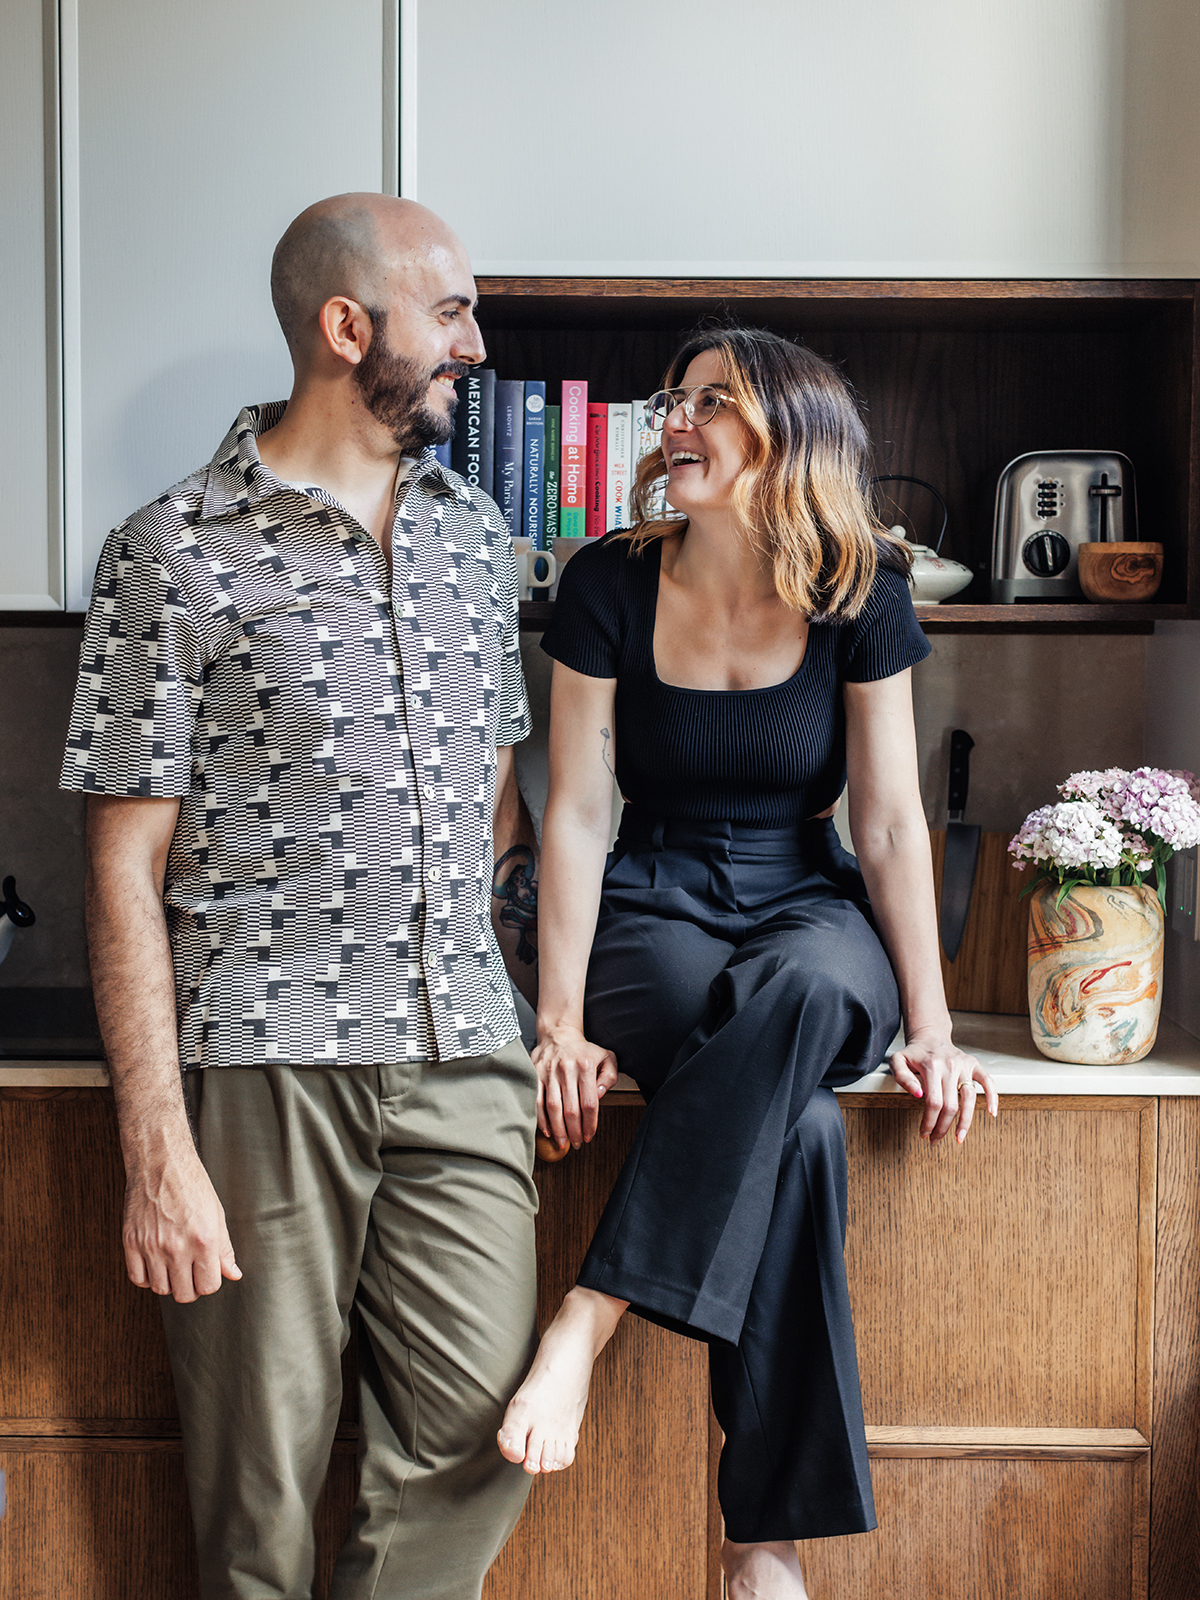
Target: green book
x=553, y=467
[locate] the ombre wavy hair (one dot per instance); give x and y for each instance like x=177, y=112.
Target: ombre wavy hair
x=803, y=499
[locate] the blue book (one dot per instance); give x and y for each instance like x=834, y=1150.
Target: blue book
x=442, y=452
x=533, y=519
x=475, y=429
x=510, y=451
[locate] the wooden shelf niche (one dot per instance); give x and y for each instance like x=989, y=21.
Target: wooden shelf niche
x=956, y=379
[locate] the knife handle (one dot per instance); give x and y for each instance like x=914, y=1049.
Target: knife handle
x=961, y=745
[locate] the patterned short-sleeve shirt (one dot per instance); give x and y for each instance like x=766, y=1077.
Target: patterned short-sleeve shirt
x=332, y=736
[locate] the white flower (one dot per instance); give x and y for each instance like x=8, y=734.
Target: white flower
x=1072, y=834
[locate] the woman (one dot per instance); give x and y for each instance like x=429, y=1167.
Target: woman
x=732, y=669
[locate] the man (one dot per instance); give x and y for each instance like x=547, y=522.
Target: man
x=299, y=690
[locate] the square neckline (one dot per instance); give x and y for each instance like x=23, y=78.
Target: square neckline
x=683, y=688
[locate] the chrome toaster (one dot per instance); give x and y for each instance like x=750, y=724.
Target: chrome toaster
x=1048, y=503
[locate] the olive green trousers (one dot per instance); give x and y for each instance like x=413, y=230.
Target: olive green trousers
x=404, y=1192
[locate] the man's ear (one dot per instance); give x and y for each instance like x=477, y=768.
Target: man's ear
x=345, y=328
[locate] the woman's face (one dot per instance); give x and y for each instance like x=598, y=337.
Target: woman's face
x=703, y=463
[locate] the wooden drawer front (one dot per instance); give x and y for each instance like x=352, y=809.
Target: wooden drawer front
x=972, y=1529
x=109, y=1521
x=1006, y=1283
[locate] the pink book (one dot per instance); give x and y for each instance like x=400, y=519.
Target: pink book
x=597, y=454
x=573, y=484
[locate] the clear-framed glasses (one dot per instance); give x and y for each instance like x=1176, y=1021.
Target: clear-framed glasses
x=700, y=404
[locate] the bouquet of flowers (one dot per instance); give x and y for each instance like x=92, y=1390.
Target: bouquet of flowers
x=1113, y=827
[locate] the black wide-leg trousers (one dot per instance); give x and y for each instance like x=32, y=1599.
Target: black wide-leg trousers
x=738, y=978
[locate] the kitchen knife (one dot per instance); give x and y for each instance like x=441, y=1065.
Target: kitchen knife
x=962, y=848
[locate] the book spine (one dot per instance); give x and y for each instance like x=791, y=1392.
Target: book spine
x=510, y=453
x=597, y=460
x=616, y=506
x=553, y=468
x=646, y=441
x=532, y=520
x=442, y=452
x=473, y=450
x=573, y=481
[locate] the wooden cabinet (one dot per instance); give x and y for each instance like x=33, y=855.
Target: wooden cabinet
x=1026, y=1312
x=956, y=379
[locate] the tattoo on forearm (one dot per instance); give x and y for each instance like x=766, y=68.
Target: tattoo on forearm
x=607, y=737
x=518, y=898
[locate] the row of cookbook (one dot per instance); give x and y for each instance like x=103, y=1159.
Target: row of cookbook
x=552, y=469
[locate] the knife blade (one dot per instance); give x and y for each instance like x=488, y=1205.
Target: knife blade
x=962, y=848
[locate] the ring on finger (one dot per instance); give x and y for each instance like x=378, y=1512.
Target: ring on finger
x=969, y=1084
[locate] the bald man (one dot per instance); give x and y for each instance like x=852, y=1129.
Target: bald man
x=309, y=867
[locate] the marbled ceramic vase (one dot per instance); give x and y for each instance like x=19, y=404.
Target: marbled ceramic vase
x=1095, y=972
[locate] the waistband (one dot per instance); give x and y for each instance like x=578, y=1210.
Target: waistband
x=643, y=830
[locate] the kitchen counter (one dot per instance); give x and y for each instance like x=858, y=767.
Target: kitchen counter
x=1002, y=1044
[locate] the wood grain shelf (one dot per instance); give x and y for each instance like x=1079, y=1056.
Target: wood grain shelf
x=1047, y=617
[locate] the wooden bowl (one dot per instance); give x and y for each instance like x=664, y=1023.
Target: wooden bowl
x=1129, y=569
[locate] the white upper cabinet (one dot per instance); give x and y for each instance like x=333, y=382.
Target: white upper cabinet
x=31, y=555
x=192, y=135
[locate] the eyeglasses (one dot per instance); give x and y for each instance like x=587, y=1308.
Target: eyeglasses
x=700, y=404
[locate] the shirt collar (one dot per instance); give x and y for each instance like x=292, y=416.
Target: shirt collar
x=237, y=480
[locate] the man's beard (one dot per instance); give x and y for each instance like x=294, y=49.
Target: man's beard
x=395, y=391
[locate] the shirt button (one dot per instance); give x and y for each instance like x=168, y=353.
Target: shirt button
x=415, y=702
x=434, y=959
x=435, y=874
x=427, y=791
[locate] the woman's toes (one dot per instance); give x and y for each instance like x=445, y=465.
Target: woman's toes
x=513, y=1441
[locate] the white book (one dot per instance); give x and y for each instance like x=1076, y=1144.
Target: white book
x=620, y=462
x=645, y=441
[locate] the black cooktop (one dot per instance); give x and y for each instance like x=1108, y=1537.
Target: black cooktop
x=48, y=1025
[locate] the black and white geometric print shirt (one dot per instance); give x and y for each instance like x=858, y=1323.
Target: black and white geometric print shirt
x=333, y=741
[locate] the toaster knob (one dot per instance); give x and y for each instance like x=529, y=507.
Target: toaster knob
x=1046, y=553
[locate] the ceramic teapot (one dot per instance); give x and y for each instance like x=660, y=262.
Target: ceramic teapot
x=933, y=577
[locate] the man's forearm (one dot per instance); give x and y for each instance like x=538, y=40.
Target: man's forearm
x=514, y=885
x=134, y=986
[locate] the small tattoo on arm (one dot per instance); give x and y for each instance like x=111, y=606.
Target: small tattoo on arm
x=606, y=736
x=518, y=898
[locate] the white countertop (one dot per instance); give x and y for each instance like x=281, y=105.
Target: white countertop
x=1002, y=1044
x=1004, y=1047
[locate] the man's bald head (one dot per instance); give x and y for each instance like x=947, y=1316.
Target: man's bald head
x=352, y=245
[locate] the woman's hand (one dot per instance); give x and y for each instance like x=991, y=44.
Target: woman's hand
x=572, y=1076
x=932, y=1068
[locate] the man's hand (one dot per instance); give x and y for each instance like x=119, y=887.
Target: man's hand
x=174, y=1234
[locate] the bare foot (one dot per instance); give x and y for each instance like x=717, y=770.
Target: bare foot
x=541, y=1426
x=762, y=1571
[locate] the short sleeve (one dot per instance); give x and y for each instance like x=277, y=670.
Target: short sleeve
x=584, y=633
x=140, y=680
x=885, y=638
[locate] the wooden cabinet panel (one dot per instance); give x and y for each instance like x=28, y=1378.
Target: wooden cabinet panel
x=77, y=1342
x=1175, y=1525
x=971, y=1530
x=632, y=1517
x=87, y=1520
x=1006, y=1283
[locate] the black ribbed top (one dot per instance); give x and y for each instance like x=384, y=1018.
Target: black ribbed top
x=760, y=757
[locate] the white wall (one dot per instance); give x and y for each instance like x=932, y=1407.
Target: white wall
x=878, y=137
